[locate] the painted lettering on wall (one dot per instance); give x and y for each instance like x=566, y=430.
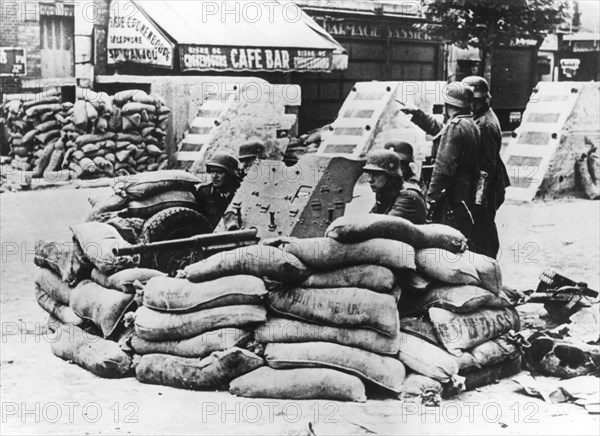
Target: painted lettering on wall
x=132, y=37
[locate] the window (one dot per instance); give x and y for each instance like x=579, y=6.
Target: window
x=56, y=32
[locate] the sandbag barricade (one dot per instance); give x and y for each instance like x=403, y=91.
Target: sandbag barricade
x=98, y=135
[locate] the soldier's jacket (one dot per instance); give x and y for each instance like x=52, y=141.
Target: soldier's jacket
x=403, y=200
x=212, y=203
x=456, y=161
x=490, y=161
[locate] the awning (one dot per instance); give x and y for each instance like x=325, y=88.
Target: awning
x=220, y=36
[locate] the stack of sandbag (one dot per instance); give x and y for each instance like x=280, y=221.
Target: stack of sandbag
x=117, y=135
x=82, y=285
x=144, y=195
x=211, y=307
x=451, y=304
x=35, y=131
x=337, y=329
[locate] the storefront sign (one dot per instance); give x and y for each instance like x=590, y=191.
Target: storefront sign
x=13, y=61
x=371, y=30
x=203, y=58
x=133, y=38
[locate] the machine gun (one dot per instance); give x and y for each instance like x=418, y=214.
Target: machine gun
x=561, y=295
x=175, y=253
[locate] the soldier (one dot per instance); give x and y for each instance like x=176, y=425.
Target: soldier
x=214, y=197
x=491, y=163
x=391, y=198
x=249, y=153
x=451, y=191
x=407, y=163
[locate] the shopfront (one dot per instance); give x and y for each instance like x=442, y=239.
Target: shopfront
x=379, y=48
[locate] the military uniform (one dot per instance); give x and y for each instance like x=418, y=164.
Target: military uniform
x=456, y=170
x=212, y=203
x=403, y=200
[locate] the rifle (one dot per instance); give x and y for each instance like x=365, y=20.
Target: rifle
x=209, y=243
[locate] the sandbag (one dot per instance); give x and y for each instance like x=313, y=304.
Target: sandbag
x=420, y=327
x=458, y=299
x=342, y=307
x=90, y=138
x=64, y=258
x=427, y=359
x=459, y=332
x=55, y=162
x=411, y=281
x=488, y=271
x=101, y=357
x=386, y=372
x=123, y=97
x=46, y=137
x=44, y=160
x=129, y=228
x=104, y=307
x=52, y=285
x=124, y=280
x=60, y=311
x=149, y=184
x=299, y=384
x=361, y=227
x=256, y=260
x=131, y=108
x=494, y=351
x=447, y=267
x=150, y=206
x=292, y=331
x=97, y=241
x=420, y=388
x=373, y=277
x=162, y=326
x=212, y=372
x=197, y=346
x=180, y=295
x=327, y=254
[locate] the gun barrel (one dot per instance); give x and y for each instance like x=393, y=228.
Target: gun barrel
x=228, y=239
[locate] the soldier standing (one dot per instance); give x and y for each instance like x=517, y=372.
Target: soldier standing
x=490, y=162
x=391, y=197
x=451, y=191
x=214, y=197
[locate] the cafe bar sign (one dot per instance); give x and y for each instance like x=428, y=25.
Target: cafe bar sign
x=231, y=58
x=134, y=38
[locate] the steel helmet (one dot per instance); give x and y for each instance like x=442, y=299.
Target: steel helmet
x=385, y=161
x=458, y=95
x=403, y=149
x=479, y=85
x=224, y=161
x=250, y=150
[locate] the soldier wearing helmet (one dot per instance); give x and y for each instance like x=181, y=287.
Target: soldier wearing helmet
x=214, y=197
x=455, y=151
x=249, y=153
x=491, y=163
x=391, y=196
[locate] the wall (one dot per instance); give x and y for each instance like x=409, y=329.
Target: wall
x=19, y=27
x=185, y=94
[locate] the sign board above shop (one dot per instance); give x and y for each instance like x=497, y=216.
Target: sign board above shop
x=134, y=38
x=202, y=58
